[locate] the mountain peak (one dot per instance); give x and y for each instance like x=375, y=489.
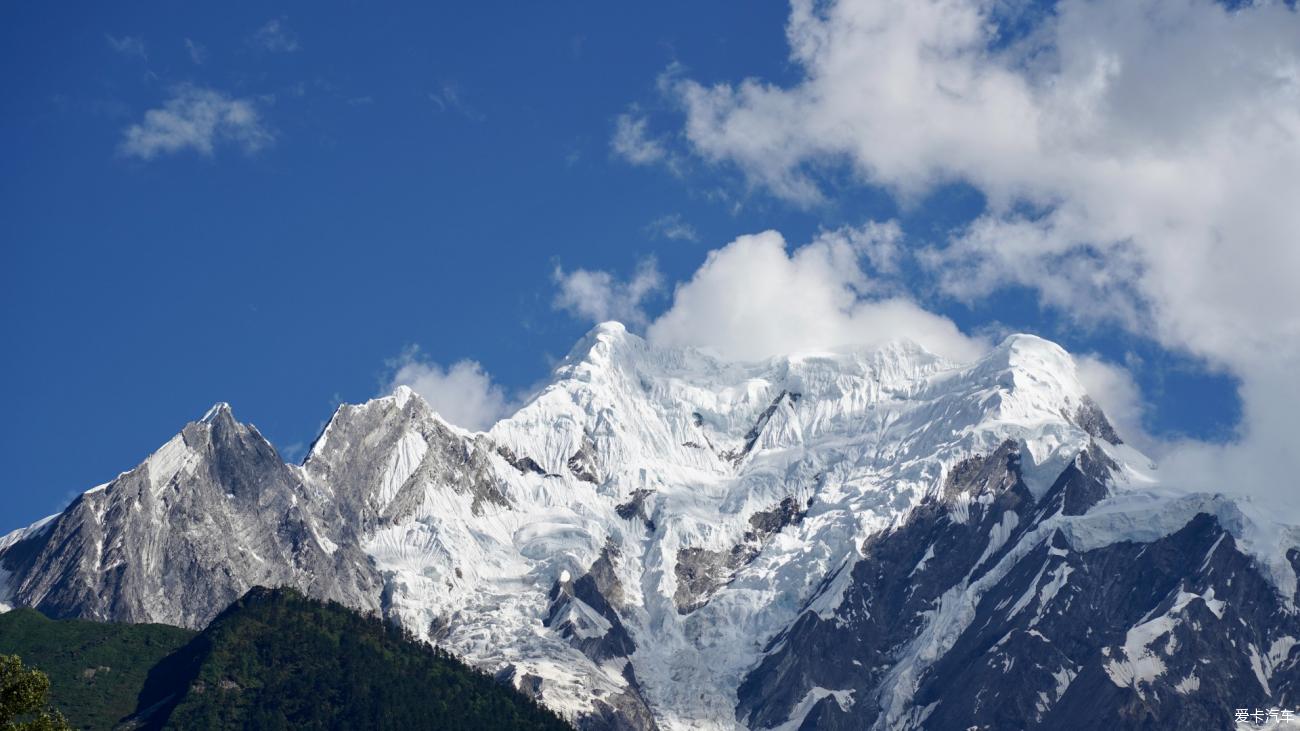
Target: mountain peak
x=1026, y=345
x=403, y=394
x=602, y=345
x=610, y=326
x=1039, y=363
x=219, y=411
x=609, y=333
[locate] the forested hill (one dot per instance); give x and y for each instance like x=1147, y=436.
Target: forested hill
x=272, y=660
x=96, y=669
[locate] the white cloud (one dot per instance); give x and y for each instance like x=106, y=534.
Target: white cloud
x=751, y=299
x=462, y=393
x=1113, y=388
x=1140, y=158
x=632, y=142
x=672, y=227
x=879, y=241
x=1262, y=461
x=128, y=46
x=598, y=296
x=198, y=119
x=275, y=37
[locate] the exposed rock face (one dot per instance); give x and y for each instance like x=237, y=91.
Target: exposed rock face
x=783, y=399
x=216, y=511
x=889, y=591
x=524, y=464
x=1091, y=419
x=212, y=513
x=636, y=507
x=583, y=462
x=374, y=462
x=701, y=572
x=1175, y=633
x=584, y=613
x=861, y=539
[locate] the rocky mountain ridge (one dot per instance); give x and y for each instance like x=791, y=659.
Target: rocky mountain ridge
x=874, y=538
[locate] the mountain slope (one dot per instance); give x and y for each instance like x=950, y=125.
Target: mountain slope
x=96, y=670
x=276, y=659
x=273, y=659
x=662, y=539
x=210, y=514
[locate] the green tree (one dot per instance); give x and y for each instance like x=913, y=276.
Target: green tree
x=22, y=699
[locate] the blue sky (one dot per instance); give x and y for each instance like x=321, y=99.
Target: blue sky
x=376, y=182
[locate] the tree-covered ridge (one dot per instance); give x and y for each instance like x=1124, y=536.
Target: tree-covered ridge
x=272, y=660
x=278, y=660
x=95, y=669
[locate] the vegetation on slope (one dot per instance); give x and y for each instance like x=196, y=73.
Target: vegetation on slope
x=272, y=660
x=22, y=699
x=95, y=670
x=278, y=660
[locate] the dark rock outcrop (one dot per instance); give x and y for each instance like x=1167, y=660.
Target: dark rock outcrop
x=701, y=572
x=1177, y=633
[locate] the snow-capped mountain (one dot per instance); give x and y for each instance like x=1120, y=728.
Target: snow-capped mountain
x=853, y=539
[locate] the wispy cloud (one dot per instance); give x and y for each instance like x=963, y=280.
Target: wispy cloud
x=198, y=53
x=672, y=227
x=199, y=119
x=275, y=37
x=448, y=97
x=632, y=141
x=293, y=453
x=132, y=46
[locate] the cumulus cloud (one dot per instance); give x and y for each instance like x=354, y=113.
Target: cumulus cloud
x=752, y=299
x=198, y=119
x=462, y=393
x=598, y=295
x=275, y=37
x=1140, y=159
